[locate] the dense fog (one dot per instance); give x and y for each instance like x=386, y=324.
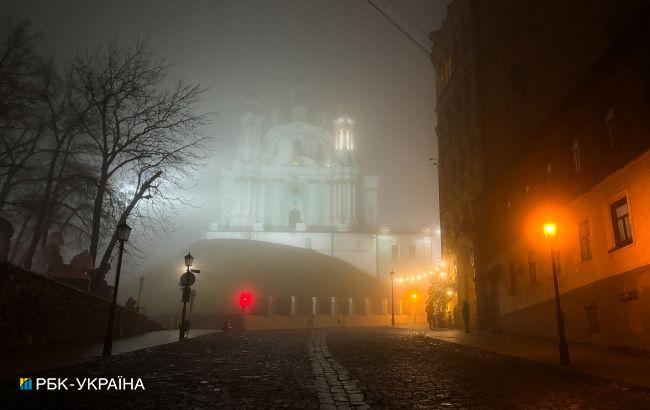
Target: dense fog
x=329, y=57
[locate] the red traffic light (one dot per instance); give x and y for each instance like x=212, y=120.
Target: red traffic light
x=245, y=300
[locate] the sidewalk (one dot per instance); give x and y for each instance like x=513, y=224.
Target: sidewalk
x=35, y=358
x=609, y=363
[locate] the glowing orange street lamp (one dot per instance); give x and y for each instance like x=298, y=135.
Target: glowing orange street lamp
x=550, y=232
x=414, y=296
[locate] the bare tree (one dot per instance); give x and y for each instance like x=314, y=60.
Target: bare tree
x=138, y=132
x=20, y=129
x=61, y=146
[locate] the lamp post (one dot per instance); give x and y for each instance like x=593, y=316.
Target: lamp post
x=187, y=280
x=550, y=232
x=192, y=297
x=392, y=298
x=140, y=292
x=123, y=231
x=414, y=296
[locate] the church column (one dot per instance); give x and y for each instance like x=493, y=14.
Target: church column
x=234, y=214
x=247, y=201
x=344, y=188
x=326, y=204
x=348, y=202
x=275, y=201
x=339, y=213
x=255, y=197
x=354, y=202
x=313, y=216
x=261, y=210
x=333, y=200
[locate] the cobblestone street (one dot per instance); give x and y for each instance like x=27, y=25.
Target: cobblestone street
x=362, y=367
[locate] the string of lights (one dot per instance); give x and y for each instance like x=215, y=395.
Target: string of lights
x=421, y=276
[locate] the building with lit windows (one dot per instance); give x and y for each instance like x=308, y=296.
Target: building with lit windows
x=298, y=184
x=586, y=168
x=505, y=70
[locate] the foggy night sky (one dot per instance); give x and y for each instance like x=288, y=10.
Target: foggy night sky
x=332, y=53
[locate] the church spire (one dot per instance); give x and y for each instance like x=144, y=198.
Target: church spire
x=344, y=138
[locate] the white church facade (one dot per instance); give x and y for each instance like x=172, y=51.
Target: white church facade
x=298, y=184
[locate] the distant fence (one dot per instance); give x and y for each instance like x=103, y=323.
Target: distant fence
x=329, y=305
x=37, y=310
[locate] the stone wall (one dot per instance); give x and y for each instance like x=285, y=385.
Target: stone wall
x=260, y=322
x=611, y=312
x=35, y=309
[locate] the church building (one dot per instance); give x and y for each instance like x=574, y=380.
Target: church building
x=298, y=184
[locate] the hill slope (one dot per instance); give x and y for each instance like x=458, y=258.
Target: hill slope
x=229, y=266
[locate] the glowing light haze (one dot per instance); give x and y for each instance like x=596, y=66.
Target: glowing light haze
x=322, y=54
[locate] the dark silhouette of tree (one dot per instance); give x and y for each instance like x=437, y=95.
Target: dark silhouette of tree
x=20, y=129
x=138, y=132
x=112, y=140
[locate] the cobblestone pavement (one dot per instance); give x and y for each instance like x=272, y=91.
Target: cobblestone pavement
x=342, y=368
x=335, y=388
x=256, y=370
x=405, y=369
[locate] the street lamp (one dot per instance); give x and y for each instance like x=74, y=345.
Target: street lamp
x=550, y=232
x=187, y=280
x=392, y=298
x=414, y=296
x=123, y=231
x=189, y=259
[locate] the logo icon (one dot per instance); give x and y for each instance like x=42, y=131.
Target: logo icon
x=25, y=383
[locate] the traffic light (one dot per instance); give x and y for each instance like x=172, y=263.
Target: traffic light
x=245, y=300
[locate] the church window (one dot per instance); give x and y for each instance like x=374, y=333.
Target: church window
x=412, y=251
x=394, y=251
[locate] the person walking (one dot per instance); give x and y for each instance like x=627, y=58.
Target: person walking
x=430, y=314
x=466, y=315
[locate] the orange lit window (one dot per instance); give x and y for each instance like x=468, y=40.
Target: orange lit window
x=621, y=222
